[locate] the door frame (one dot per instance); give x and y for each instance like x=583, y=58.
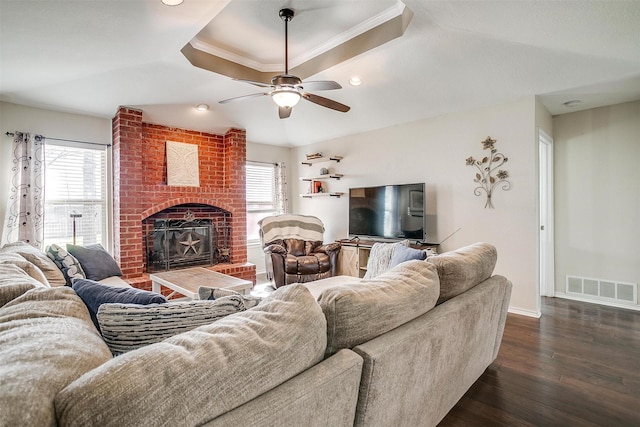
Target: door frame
x=546, y=273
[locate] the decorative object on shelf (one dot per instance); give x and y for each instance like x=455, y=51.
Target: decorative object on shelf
x=324, y=171
x=486, y=167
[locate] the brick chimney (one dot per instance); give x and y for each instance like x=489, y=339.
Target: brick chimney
x=140, y=188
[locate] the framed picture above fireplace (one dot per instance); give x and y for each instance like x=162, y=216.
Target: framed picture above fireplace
x=182, y=164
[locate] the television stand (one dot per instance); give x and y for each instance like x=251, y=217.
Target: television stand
x=354, y=255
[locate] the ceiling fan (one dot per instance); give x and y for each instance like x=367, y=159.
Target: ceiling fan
x=286, y=90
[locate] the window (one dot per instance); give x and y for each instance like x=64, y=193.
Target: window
x=75, y=189
x=261, y=196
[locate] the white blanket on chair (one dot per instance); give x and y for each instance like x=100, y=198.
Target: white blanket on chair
x=290, y=226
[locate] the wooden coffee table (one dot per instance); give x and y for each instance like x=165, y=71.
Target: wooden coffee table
x=187, y=281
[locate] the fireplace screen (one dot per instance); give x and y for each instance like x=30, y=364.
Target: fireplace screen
x=179, y=243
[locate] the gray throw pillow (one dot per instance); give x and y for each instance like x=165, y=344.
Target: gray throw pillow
x=94, y=294
x=126, y=327
x=96, y=262
x=403, y=253
x=67, y=263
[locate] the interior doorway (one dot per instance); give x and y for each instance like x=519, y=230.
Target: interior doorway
x=545, y=203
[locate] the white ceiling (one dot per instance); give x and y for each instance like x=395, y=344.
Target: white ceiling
x=92, y=56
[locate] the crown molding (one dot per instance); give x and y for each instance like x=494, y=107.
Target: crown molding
x=381, y=28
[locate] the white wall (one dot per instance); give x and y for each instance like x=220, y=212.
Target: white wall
x=597, y=191
x=49, y=123
x=434, y=151
x=268, y=154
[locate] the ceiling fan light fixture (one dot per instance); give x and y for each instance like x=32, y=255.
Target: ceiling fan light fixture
x=202, y=107
x=172, y=2
x=355, y=81
x=285, y=97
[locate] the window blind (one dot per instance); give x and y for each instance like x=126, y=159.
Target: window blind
x=260, y=187
x=261, y=196
x=75, y=183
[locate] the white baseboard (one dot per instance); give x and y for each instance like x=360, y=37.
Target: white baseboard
x=522, y=312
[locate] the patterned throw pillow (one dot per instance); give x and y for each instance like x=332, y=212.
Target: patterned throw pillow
x=126, y=327
x=67, y=263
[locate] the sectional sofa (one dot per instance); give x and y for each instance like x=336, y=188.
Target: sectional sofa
x=399, y=349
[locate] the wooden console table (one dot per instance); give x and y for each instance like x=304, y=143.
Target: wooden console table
x=354, y=255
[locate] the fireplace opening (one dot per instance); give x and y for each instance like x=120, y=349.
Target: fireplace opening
x=195, y=239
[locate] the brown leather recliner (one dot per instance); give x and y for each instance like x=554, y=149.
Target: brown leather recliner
x=299, y=261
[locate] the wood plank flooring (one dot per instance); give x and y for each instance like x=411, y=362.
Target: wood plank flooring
x=578, y=365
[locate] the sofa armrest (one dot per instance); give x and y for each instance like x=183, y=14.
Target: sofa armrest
x=448, y=348
x=115, y=281
x=325, y=394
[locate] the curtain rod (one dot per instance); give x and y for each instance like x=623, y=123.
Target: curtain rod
x=66, y=140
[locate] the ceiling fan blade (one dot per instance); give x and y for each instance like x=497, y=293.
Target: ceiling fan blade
x=284, y=112
x=253, y=82
x=240, y=98
x=320, y=85
x=326, y=102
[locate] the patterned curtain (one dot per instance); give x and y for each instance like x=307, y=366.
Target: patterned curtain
x=282, y=201
x=24, y=218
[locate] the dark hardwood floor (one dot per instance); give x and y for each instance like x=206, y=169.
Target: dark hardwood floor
x=578, y=365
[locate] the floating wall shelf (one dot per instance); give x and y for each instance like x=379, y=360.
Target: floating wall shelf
x=322, y=159
x=312, y=195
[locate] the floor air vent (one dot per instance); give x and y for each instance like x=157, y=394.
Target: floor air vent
x=603, y=290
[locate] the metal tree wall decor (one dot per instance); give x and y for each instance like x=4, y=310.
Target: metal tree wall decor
x=486, y=167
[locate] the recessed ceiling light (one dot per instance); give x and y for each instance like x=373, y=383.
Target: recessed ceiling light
x=355, y=81
x=172, y=2
x=572, y=103
x=202, y=107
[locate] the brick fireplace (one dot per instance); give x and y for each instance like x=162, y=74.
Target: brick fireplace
x=141, y=193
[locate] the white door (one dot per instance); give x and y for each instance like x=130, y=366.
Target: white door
x=546, y=240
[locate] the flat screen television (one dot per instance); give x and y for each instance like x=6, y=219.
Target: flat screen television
x=391, y=212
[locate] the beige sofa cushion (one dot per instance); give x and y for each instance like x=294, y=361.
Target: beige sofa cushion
x=14, y=282
x=366, y=309
x=462, y=269
x=39, y=259
x=27, y=266
x=195, y=376
x=317, y=287
x=46, y=341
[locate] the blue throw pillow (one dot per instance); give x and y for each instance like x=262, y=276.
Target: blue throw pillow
x=94, y=294
x=96, y=262
x=403, y=253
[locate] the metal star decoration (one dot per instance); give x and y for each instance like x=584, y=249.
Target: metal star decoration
x=190, y=244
